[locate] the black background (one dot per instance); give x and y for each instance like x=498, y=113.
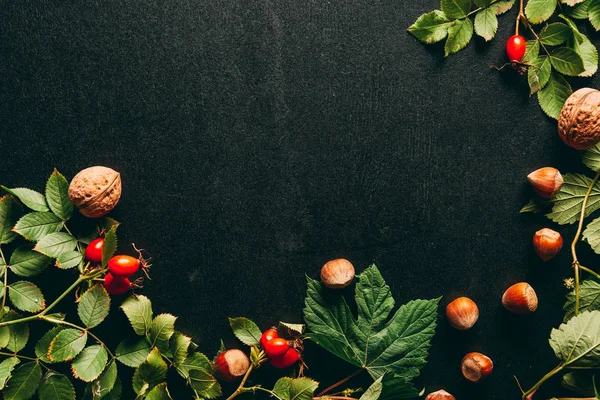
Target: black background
x=259, y=139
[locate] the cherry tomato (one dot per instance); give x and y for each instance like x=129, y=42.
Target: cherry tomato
x=290, y=358
x=515, y=47
x=269, y=334
x=123, y=266
x=115, y=284
x=276, y=347
x=93, y=251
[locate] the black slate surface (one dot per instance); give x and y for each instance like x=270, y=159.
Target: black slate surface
x=258, y=139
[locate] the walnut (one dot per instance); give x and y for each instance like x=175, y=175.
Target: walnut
x=95, y=191
x=579, y=121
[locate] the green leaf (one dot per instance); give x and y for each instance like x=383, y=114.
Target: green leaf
x=26, y=262
x=532, y=50
x=4, y=336
x=577, y=343
x=374, y=391
x=204, y=383
x=133, y=351
x=500, y=7
x=538, y=11
x=152, y=372
x=67, y=344
x=373, y=341
x=295, y=389
x=594, y=14
x=246, y=331
x=161, y=330
x=159, y=392
x=554, y=95
x=589, y=299
x=94, y=390
x=26, y=296
x=94, y=306
x=554, y=34
x=571, y=2
x=56, y=386
x=179, y=345
x=24, y=382
x=110, y=245
x=294, y=330
x=6, y=367
x=589, y=55
x=591, y=158
x=534, y=206
x=482, y=3
x=194, y=361
x=90, y=363
x=459, y=36
x=568, y=201
x=18, y=334
x=9, y=214
x=591, y=234
x=138, y=309
x=539, y=73
x=32, y=199
x=57, y=196
x=69, y=259
x=395, y=388
x=36, y=225
x=105, y=382
x=431, y=27
x=456, y=8
x=566, y=61
x=579, y=11
x=580, y=382
x=42, y=347
x=54, y=244
x=486, y=24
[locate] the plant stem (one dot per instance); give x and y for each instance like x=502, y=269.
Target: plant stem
x=5, y=278
x=240, y=388
x=541, y=381
x=346, y=379
x=589, y=271
x=80, y=328
x=2, y=353
x=519, y=16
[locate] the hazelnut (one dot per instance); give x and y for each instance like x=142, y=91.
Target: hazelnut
x=547, y=243
x=579, y=120
x=337, y=274
x=231, y=365
x=95, y=191
x=546, y=182
x=440, y=395
x=476, y=366
x=520, y=298
x=462, y=313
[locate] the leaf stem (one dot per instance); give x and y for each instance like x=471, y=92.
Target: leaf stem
x=80, y=328
x=2, y=353
x=520, y=15
x=346, y=379
x=589, y=271
x=240, y=388
x=541, y=381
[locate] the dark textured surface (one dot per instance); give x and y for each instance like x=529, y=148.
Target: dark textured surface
x=258, y=139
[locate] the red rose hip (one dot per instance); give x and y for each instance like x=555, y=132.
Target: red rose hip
x=123, y=266
x=515, y=48
x=231, y=365
x=115, y=284
x=93, y=251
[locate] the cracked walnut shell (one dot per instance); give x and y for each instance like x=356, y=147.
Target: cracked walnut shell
x=95, y=191
x=579, y=121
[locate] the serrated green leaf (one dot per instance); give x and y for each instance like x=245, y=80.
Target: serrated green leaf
x=9, y=214
x=194, y=361
x=57, y=196
x=538, y=11
x=26, y=262
x=133, y=351
x=500, y=7
x=294, y=330
x=591, y=157
x=566, y=61
x=246, y=331
x=69, y=259
x=554, y=95
x=554, y=34
x=569, y=199
x=161, y=330
x=373, y=340
x=538, y=73
x=579, y=11
x=138, y=310
x=110, y=245
x=594, y=14
x=26, y=296
x=17, y=334
x=431, y=27
x=374, y=391
x=67, y=344
x=459, y=36
x=534, y=206
x=295, y=389
x=54, y=244
x=24, y=382
x=90, y=363
x=589, y=299
x=42, y=347
x=580, y=382
x=456, y=8
x=159, y=392
x=6, y=367
x=179, y=345
x=2, y=270
x=106, y=381
x=588, y=53
x=486, y=24
x=94, y=306
x=37, y=224
x=577, y=343
x=152, y=372
x=56, y=386
x=571, y=2
x=32, y=199
x=282, y=388
x=395, y=388
x=204, y=383
x=532, y=50
x=591, y=234
x=92, y=394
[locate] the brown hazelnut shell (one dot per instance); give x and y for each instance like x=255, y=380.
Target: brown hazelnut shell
x=476, y=366
x=337, y=274
x=520, y=298
x=547, y=243
x=440, y=395
x=462, y=313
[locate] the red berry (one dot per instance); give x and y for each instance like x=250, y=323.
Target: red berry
x=290, y=358
x=231, y=365
x=123, y=266
x=116, y=284
x=276, y=347
x=269, y=335
x=93, y=251
x=515, y=47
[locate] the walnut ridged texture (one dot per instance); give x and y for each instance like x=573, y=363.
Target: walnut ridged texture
x=95, y=191
x=579, y=121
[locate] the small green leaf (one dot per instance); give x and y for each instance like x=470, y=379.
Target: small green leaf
x=18, y=334
x=538, y=11
x=9, y=214
x=138, y=309
x=566, y=61
x=24, y=382
x=32, y=199
x=554, y=34
x=26, y=296
x=431, y=27
x=577, y=343
x=569, y=199
x=579, y=382
x=26, y=262
x=294, y=330
x=57, y=196
x=459, y=36
x=396, y=387
x=591, y=158
x=110, y=245
x=502, y=6
x=579, y=11
x=69, y=259
x=204, y=383
x=532, y=50
x=374, y=391
x=589, y=299
x=54, y=244
x=67, y=344
x=6, y=367
x=42, y=347
x=588, y=53
x=106, y=381
x=456, y=8
x=246, y=331
x=594, y=14
x=133, y=351
x=94, y=306
x=159, y=392
x=152, y=372
x=554, y=95
x=486, y=24
x=56, y=386
x=538, y=73
x=90, y=363
x=295, y=389
x=534, y=206
x=179, y=345
x=591, y=234
x=194, y=361
x=161, y=330
x=36, y=225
